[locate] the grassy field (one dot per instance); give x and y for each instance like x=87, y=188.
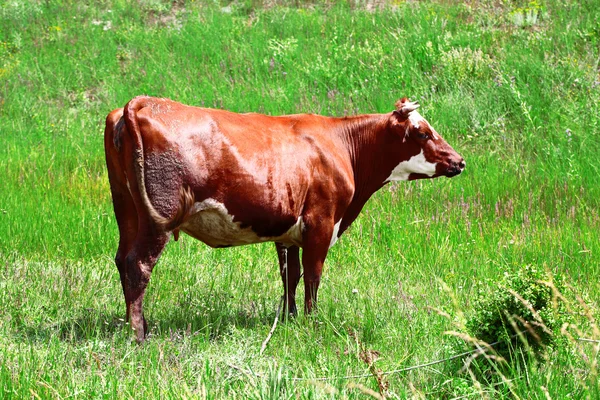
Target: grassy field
x=514, y=86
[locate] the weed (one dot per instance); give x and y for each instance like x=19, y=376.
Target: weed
x=521, y=310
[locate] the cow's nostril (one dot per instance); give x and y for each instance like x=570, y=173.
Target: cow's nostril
x=462, y=164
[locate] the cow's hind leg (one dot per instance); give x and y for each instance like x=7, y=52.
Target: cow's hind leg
x=289, y=267
x=138, y=267
x=124, y=207
x=126, y=216
x=136, y=256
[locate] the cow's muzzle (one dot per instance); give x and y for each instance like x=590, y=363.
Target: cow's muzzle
x=455, y=168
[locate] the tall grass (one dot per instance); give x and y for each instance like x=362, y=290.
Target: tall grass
x=513, y=86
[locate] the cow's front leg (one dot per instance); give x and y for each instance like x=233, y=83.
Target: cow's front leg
x=316, y=243
x=289, y=267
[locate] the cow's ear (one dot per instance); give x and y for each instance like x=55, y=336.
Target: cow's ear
x=404, y=107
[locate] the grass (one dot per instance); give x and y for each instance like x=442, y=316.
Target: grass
x=513, y=86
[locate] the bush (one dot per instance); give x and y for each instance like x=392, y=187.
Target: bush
x=528, y=302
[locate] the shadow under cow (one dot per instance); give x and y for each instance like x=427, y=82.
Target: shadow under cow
x=220, y=314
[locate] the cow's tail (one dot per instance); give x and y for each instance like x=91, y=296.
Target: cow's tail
x=136, y=176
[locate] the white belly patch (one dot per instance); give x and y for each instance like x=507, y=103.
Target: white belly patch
x=212, y=224
x=334, y=236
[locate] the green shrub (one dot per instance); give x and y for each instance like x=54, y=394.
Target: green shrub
x=526, y=308
x=463, y=64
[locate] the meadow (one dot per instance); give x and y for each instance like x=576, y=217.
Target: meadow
x=514, y=86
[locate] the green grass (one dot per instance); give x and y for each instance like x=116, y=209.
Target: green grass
x=513, y=86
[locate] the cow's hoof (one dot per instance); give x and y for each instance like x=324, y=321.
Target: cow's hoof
x=289, y=312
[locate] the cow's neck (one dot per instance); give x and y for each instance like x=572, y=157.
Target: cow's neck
x=369, y=156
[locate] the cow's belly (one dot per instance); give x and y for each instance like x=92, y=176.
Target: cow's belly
x=212, y=224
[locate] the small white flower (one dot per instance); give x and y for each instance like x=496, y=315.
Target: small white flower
x=354, y=291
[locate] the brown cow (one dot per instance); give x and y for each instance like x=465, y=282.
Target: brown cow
x=232, y=179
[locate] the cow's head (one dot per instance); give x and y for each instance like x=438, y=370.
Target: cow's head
x=424, y=153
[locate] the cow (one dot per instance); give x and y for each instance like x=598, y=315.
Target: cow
x=231, y=179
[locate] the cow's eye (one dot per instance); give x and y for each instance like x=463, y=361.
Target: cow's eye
x=423, y=136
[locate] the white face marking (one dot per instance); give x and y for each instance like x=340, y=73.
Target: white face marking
x=212, y=224
x=334, y=236
x=415, y=165
x=417, y=119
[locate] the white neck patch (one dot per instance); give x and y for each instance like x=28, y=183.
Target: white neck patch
x=415, y=165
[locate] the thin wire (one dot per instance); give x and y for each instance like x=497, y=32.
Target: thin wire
x=588, y=340
x=395, y=371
